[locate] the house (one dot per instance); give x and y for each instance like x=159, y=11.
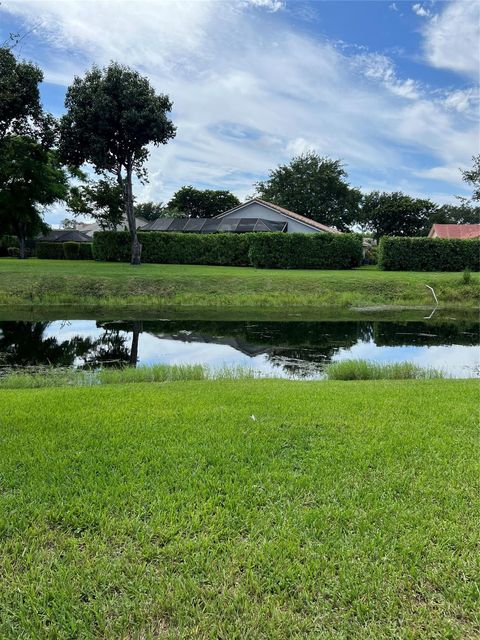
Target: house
x=268, y=212
x=252, y=216
x=457, y=231
x=90, y=227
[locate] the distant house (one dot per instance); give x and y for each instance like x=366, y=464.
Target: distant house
x=266, y=211
x=90, y=227
x=457, y=231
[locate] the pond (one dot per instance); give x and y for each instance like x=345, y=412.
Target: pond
x=289, y=348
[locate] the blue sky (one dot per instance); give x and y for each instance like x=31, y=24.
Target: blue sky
x=391, y=88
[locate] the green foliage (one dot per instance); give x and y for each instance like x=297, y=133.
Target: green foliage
x=13, y=252
x=366, y=370
x=71, y=250
x=314, y=187
x=472, y=177
x=102, y=200
x=150, y=211
x=19, y=94
x=176, y=248
x=305, y=251
x=395, y=214
x=466, y=276
x=50, y=250
x=113, y=114
x=265, y=250
x=345, y=511
x=464, y=213
x=202, y=203
x=428, y=254
x=64, y=250
x=6, y=242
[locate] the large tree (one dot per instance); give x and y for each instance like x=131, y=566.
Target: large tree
x=463, y=213
x=395, y=214
x=149, y=211
x=314, y=187
x=31, y=178
x=202, y=203
x=113, y=114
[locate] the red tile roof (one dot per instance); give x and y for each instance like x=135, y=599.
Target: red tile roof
x=285, y=212
x=461, y=231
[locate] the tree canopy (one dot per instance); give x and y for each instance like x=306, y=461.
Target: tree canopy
x=19, y=94
x=395, y=214
x=149, y=211
x=113, y=114
x=314, y=187
x=202, y=203
x=472, y=177
x=102, y=200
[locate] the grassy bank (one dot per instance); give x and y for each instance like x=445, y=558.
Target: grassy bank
x=339, y=510
x=61, y=282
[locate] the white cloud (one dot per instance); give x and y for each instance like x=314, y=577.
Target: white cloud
x=249, y=92
x=393, y=6
x=420, y=10
x=452, y=38
x=270, y=5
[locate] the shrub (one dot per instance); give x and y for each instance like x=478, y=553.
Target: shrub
x=6, y=242
x=85, y=251
x=428, y=254
x=13, y=252
x=466, y=276
x=50, y=250
x=71, y=250
x=306, y=250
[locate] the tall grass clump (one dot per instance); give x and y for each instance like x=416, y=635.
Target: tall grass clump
x=367, y=370
x=34, y=378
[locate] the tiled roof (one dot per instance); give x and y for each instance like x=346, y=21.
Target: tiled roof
x=460, y=231
x=285, y=212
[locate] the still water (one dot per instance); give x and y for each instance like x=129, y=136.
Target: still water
x=293, y=349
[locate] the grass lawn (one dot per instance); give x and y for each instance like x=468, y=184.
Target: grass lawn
x=344, y=510
x=50, y=282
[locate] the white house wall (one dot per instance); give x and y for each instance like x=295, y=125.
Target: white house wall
x=256, y=210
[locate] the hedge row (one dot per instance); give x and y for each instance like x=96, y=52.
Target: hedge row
x=65, y=250
x=267, y=250
x=175, y=248
x=306, y=251
x=428, y=254
x=7, y=242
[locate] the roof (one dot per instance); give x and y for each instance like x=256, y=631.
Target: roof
x=65, y=235
x=90, y=227
x=213, y=225
x=289, y=214
x=460, y=231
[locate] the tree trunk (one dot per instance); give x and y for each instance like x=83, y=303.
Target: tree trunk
x=21, y=241
x=136, y=252
x=137, y=329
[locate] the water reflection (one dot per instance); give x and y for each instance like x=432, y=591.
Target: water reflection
x=289, y=349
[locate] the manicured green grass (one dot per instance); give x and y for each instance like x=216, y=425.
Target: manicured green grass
x=343, y=510
x=86, y=282
x=366, y=370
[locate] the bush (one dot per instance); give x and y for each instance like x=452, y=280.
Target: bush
x=6, y=242
x=306, y=250
x=13, y=252
x=50, y=250
x=71, y=250
x=467, y=277
x=85, y=251
x=428, y=254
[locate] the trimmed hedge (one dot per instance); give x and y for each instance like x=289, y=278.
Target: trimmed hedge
x=428, y=254
x=7, y=242
x=228, y=249
x=65, y=250
x=274, y=250
x=306, y=251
